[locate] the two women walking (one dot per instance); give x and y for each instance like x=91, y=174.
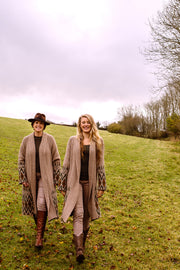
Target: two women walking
x=81, y=180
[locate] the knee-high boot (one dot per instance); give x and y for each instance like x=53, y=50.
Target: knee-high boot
x=85, y=232
x=41, y=223
x=78, y=241
x=35, y=219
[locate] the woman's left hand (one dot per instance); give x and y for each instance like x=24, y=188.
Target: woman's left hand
x=100, y=193
x=63, y=193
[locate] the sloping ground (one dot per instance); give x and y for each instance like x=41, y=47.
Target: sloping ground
x=139, y=227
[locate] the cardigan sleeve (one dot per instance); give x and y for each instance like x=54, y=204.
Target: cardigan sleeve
x=21, y=163
x=54, y=150
x=56, y=171
x=56, y=162
x=101, y=171
x=65, y=168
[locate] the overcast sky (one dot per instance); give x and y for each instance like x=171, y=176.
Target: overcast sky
x=68, y=57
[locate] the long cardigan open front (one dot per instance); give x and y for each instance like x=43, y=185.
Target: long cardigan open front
x=70, y=174
x=50, y=169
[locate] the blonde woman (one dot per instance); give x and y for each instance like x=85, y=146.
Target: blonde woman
x=83, y=180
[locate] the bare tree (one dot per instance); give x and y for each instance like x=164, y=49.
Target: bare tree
x=153, y=118
x=165, y=109
x=130, y=120
x=165, y=43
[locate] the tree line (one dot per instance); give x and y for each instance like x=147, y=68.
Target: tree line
x=156, y=119
x=161, y=117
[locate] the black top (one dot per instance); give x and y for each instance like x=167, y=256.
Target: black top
x=37, y=144
x=85, y=163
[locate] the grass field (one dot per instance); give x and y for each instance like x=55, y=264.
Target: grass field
x=140, y=223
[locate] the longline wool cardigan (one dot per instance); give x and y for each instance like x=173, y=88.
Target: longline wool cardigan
x=49, y=159
x=70, y=174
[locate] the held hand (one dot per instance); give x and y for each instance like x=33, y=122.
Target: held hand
x=100, y=193
x=25, y=184
x=63, y=193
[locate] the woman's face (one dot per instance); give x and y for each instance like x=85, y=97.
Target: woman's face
x=85, y=125
x=38, y=126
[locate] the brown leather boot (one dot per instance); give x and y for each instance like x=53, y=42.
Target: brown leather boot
x=78, y=241
x=85, y=236
x=41, y=223
x=35, y=219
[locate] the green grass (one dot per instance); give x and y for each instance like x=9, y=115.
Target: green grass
x=140, y=223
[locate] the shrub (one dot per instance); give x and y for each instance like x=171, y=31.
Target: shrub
x=173, y=124
x=115, y=128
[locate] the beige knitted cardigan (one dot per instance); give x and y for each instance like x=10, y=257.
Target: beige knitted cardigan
x=50, y=169
x=70, y=174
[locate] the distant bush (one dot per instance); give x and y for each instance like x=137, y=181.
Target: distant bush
x=163, y=134
x=115, y=128
x=173, y=124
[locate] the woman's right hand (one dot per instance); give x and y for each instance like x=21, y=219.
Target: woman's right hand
x=25, y=184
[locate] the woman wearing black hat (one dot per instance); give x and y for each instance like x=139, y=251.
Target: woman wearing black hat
x=39, y=169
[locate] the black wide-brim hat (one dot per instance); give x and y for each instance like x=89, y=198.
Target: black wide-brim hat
x=39, y=117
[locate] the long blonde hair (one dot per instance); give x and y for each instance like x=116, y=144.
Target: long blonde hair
x=93, y=135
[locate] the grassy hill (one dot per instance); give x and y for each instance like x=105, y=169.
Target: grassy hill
x=140, y=223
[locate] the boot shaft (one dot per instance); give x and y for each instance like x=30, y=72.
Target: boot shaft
x=78, y=241
x=41, y=223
